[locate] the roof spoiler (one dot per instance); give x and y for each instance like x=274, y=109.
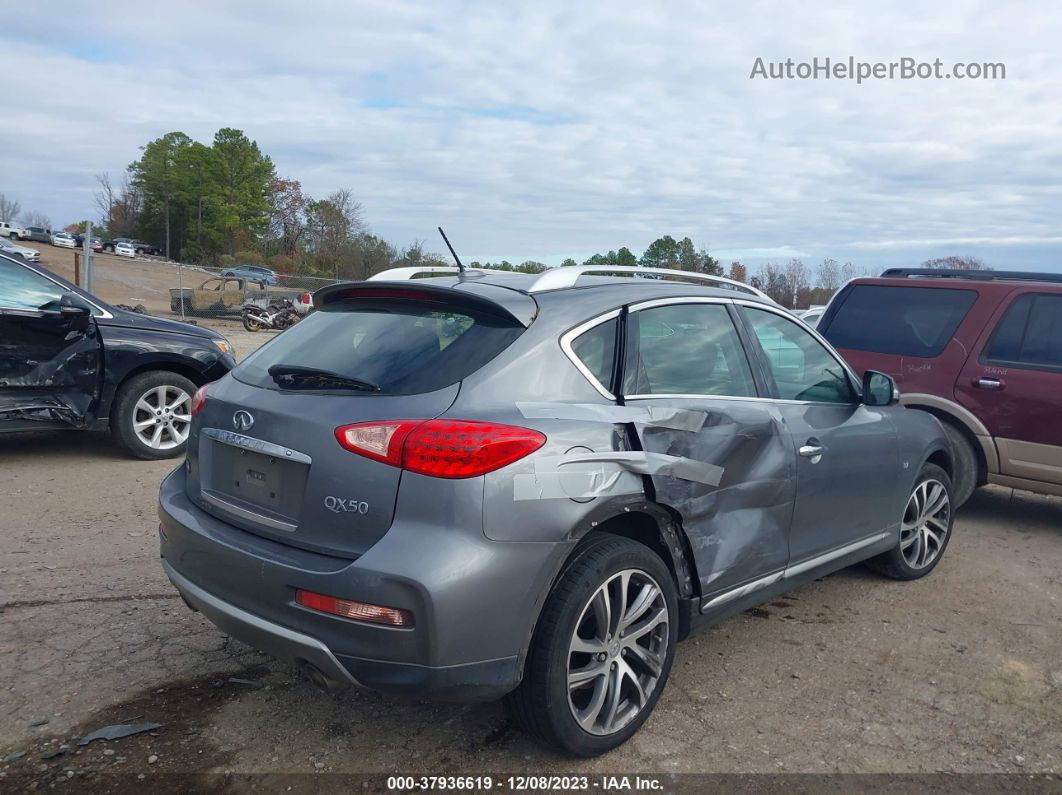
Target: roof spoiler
x=418, y=290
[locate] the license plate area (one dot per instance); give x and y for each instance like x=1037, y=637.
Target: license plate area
x=254, y=484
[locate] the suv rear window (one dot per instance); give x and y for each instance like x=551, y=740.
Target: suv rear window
x=906, y=321
x=404, y=347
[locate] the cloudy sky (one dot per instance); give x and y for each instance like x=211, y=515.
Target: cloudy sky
x=544, y=130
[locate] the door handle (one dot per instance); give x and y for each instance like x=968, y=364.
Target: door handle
x=812, y=449
x=988, y=383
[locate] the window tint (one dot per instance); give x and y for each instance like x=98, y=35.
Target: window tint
x=802, y=368
x=906, y=321
x=21, y=288
x=1030, y=332
x=596, y=348
x=687, y=349
x=404, y=347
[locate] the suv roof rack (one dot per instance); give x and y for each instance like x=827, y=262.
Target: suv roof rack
x=981, y=276
x=561, y=277
x=401, y=274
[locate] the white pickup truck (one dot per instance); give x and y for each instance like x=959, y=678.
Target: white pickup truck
x=10, y=229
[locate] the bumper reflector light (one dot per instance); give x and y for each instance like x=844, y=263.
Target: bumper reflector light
x=360, y=611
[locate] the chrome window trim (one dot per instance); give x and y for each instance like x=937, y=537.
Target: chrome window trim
x=568, y=337
x=693, y=299
x=753, y=399
x=103, y=313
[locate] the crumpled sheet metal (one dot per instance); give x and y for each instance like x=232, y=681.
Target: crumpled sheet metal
x=677, y=419
x=50, y=410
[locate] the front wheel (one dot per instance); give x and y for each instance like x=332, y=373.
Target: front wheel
x=153, y=414
x=925, y=529
x=602, y=650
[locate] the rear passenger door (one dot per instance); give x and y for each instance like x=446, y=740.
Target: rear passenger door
x=1013, y=383
x=730, y=478
x=846, y=453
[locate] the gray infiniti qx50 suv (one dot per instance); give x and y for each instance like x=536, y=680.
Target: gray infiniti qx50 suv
x=484, y=484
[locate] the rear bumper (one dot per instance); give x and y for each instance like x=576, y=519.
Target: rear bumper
x=474, y=600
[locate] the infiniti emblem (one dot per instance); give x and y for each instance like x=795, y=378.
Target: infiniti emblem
x=242, y=420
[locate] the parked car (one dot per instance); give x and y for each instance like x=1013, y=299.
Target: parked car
x=138, y=246
x=37, y=233
x=812, y=316
x=97, y=243
x=252, y=273
x=63, y=240
x=28, y=254
x=124, y=249
x=70, y=360
x=981, y=350
x=525, y=489
x=10, y=230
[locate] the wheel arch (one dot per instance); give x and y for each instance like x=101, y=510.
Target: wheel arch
x=966, y=423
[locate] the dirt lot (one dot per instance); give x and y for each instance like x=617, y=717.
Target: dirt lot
x=961, y=672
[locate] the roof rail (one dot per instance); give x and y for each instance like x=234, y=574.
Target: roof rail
x=401, y=274
x=561, y=277
x=972, y=275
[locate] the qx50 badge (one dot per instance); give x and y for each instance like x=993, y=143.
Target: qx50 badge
x=340, y=505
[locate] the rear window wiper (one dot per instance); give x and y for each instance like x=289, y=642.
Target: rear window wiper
x=296, y=376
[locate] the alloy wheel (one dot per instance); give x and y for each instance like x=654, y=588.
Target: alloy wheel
x=925, y=524
x=617, y=652
x=162, y=417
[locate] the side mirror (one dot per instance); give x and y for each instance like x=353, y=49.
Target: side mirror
x=73, y=305
x=879, y=389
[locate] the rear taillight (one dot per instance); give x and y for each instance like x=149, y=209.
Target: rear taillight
x=199, y=400
x=305, y=298
x=441, y=448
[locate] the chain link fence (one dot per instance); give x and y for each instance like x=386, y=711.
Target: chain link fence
x=217, y=292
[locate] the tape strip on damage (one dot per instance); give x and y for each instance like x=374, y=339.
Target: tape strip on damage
x=589, y=475
x=677, y=419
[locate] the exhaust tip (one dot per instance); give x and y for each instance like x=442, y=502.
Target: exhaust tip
x=321, y=679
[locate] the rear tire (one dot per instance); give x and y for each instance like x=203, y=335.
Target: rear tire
x=925, y=529
x=620, y=667
x=967, y=467
x=161, y=398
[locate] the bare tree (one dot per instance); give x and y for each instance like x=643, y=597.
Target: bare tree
x=829, y=274
x=37, y=218
x=9, y=208
x=104, y=199
x=848, y=272
x=963, y=263
x=798, y=278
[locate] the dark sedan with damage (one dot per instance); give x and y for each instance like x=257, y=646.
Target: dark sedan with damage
x=70, y=360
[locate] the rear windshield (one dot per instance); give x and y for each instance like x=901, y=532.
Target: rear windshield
x=906, y=321
x=403, y=347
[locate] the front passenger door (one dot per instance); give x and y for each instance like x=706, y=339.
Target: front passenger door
x=846, y=453
x=49, y=351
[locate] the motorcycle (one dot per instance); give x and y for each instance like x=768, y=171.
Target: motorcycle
x=278, y=315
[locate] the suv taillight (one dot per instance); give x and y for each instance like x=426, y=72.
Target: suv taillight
x=441, y=448
x=305, y=298
x=199, y=400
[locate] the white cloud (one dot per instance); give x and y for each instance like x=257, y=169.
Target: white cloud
x=545, y=129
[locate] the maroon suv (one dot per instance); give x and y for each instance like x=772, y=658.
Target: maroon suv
x=982, y=350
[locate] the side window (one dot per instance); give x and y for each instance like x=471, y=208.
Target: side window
x=802, y=368
x=1030, y=333
x=687, y=349
x=21, y=288
x=596, y=349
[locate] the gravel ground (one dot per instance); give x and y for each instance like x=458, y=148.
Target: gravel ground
x=960, y=672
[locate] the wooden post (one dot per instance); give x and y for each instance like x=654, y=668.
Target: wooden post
x=77, y=267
